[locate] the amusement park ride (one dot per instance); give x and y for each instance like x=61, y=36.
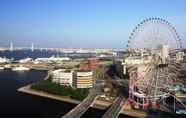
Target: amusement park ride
x=155, y=65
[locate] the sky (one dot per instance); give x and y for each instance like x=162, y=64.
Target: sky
x=82, y=23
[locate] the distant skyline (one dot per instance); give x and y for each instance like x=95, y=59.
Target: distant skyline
x=82, y=23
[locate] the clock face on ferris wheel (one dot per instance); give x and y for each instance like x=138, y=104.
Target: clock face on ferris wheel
x=153, y=32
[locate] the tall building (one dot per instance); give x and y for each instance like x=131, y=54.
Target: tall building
x=164, y=53
x=32, y=47
x=11, y=46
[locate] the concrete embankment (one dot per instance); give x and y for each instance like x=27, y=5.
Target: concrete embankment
x=27, y=89
x=98, y=104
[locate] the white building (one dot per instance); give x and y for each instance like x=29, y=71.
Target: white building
x=145, y=56
x=63, y=77
x=59, y=58
x=135, y=60
x=38, y=60
x=180, y=56
x=4, y=60
x=25, y=60
x=20, y=68
x=84, y=79
x=52, y=59
x=78, y=79
x=164, y=53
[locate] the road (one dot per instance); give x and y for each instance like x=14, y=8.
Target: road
x=122, y=87
x=81, y=108
x=114, y=110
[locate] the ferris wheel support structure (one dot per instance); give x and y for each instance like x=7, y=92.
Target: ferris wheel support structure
x=159, y=75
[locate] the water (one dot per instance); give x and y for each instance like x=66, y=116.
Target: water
x=13, y=103
x=20, y=54
x=24, y=105
x=16, y=104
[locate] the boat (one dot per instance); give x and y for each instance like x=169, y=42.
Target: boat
x=4, y=60
x=2, y=68
x=20, y=68
x=7, y=66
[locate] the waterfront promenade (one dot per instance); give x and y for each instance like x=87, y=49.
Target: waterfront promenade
x=98, y=104
x=27, y=89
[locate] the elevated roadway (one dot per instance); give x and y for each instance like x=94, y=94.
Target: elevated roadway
x=114, y=110
x=81, y=108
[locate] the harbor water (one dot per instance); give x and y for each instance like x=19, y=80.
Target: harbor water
x=16, y=104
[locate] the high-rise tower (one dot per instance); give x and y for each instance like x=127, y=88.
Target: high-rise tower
x=32, y=47
x=11, y=46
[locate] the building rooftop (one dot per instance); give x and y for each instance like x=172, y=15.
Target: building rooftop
x=84, y=71
x=62, y=70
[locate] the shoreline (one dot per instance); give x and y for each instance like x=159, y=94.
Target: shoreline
x=98, y=104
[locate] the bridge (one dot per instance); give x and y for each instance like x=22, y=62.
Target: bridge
x=81, y=108
x=114, y=110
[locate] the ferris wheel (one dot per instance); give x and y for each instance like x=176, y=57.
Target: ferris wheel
x=154, y=80
x=152, y=32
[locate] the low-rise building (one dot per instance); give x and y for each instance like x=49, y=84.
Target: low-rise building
x=84, y=79
x=63, y=77
x=26, y=60
x=77, y=79
x=180, y=56
x=4, y=60
x=52, y=60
